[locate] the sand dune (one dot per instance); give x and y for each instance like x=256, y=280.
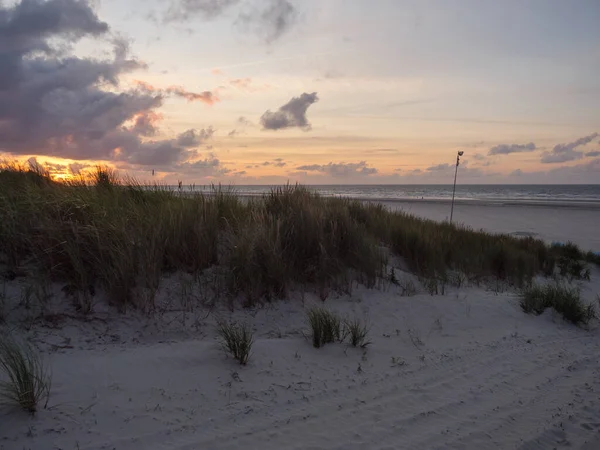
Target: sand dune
x=464, y=370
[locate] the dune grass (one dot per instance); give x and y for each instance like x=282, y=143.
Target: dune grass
x=119, y=236
x=563, y=299
x=325, y=326
x=237, y=340
x=24, y=379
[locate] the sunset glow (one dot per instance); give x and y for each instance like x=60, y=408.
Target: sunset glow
x=316, y=92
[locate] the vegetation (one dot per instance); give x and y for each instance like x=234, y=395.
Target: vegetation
x=237, y=340
x=121, y=237
x=325, y=326
x=357, y=332
x=24, y=379
x=563, y=299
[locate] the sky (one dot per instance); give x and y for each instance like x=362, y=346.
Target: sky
x=311, y=91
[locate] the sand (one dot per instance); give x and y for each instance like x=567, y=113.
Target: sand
x=463, y=370
x=557, y=223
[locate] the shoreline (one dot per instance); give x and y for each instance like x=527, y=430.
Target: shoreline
x=526, y=203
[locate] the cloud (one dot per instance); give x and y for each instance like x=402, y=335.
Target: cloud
x=241, y=83
x=53, y=103
x=579, y=173
x=506, y=149
x=275, y=163
x=440, y=168
x=244, y=121
x=184, y=10
x=272, y=22
x=194, y=138
x=207, y=97
x=290, y=115
x=340, y=169
x=478, y=157
x=593, y=154
x=448, y=169
x=567, y=152
x=207, y=167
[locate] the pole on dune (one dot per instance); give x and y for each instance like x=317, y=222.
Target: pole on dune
x=458, y=155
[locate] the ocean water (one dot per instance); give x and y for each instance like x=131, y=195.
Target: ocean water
x=556, y=195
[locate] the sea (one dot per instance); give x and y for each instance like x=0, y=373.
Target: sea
x=583, y=195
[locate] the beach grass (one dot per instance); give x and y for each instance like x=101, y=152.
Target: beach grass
x=237, y=340
x=116, y=235
x=325, y=326
x=24, y=378
x=564, y=299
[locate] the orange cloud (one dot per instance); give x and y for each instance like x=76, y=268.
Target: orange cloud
x=217, y=72
x=206, y=97
x=146, y=86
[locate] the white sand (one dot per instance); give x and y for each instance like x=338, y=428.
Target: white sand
x=467, y=370
x=557, y=223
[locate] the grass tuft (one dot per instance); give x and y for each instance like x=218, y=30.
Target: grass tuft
x=237, y=340
x=357, y=331
x=26, y=379
x=563, y=299
x=325, y=326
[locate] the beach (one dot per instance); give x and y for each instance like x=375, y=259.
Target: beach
x=561, y=222
x=464, y=370
x=449, y=358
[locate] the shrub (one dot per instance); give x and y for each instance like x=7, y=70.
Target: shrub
x=237, y=340
x=563, y=299
x=326, y=326
x=357, y=331
x=27, y=380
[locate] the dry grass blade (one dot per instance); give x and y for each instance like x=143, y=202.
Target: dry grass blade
x=26, y=379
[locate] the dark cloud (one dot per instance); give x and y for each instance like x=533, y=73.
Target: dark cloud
x=506, y=149
x=55, y=104
x=275, y=163
x=194, y=138
x=593, y=154
x=145, y=123
x=207, y=167
x=270, y=21
x=184, y=10
x=290, y=115
x=567, y=152
x=340, y=169
x=244, y=121
x=26, y=27
x=273, y=21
